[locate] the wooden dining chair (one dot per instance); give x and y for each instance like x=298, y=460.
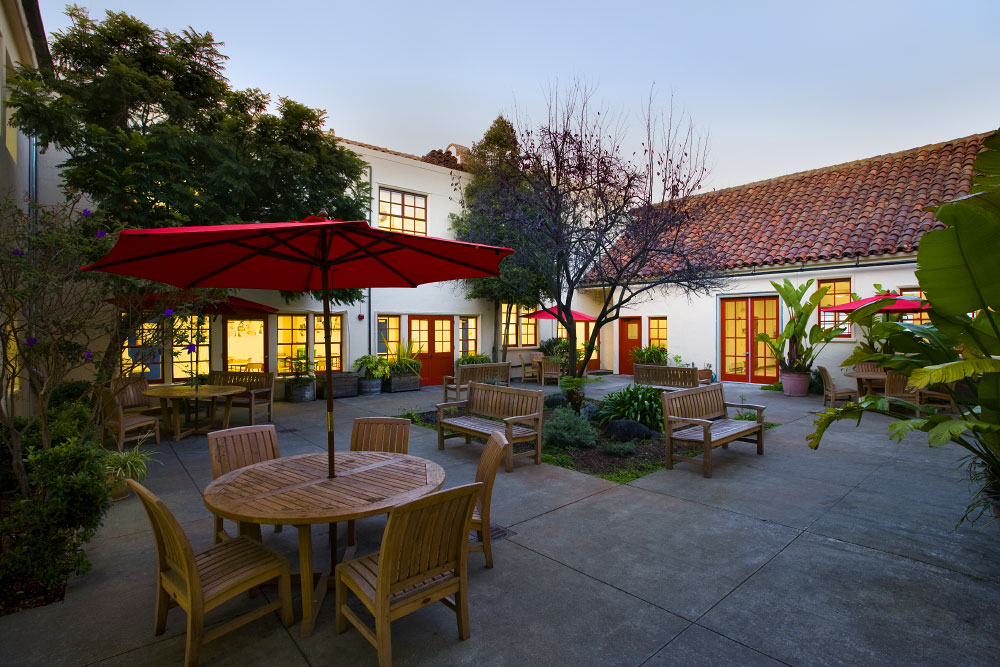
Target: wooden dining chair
x=422, y=560
x=833, y=393
x=254, y=368
x=897, y=386
x=486, y=474
x=199, y=582
x=550, y=369
x=377, y=434
x=115, y=421
x=870, y=367
x=528, y=369
x=238, y=447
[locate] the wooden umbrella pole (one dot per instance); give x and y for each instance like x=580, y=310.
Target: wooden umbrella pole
x=328, y=373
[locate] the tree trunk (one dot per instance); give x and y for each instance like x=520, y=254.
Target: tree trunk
x=496, y=332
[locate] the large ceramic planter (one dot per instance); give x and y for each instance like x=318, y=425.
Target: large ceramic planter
x=300, y=393
x=794, y=384
x=343, y=385
x=367, y=387
x=396, y=383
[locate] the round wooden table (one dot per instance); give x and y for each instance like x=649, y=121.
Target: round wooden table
x=178, y=393
x=866, y=380
x=295, y=490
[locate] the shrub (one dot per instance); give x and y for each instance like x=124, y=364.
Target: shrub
x=566, y=429
x=549, y=347
x=624, y=430
x=467, y=358
x=556, y=401
x=618, y=448
x=650, y=354
x=590, y=411
x=71, y=391
x=635, y=402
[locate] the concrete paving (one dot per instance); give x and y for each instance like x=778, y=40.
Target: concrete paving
x=845, y=555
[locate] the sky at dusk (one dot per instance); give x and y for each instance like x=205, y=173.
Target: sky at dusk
x=779, y=87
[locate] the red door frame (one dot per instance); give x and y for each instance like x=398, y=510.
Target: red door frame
x=435, y=364
x=626, y=344
x=225, y=340
x=754, y=319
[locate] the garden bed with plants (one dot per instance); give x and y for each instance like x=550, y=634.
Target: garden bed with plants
x=617, y=439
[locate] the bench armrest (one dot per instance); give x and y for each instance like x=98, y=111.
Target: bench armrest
x=749, y=406
x=446, y=378
x=523, y=418
x=441, y=407
x=261, y=390
x=693, y=421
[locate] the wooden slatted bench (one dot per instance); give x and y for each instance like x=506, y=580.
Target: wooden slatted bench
x=459, y=382
x=668, y=378
x=259, y=389
x=700, y=416
x=515, y=412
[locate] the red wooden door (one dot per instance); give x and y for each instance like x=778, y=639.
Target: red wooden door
x=629, y=338
x=744, y=359
x=433, y=339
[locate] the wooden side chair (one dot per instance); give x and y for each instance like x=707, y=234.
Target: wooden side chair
x=115, y=421
x=422, y=560
x=833, y=393
x=486, y=474
x=199, y=582
x=377, y=434
x=870, y=367
x=235, y=448
x=529, y=371
x=897, y=385
x=256, y=368
x=550, y=369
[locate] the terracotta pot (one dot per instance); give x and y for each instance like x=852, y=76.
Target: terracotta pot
x=794, y=384
x=118, y=491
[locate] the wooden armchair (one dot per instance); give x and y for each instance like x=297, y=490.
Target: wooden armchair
x=199, y=582
x=422, y=560
x=529, y=371
x=486, y=474
x=832, y=393
x=550, y=369
x=897, y=385
x=236, y=448
x=115, y=421
x=378, y=434
x=130, y=392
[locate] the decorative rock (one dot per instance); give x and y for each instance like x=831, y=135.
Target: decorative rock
x=556, y=401
x=626, y=429
x=590, y=411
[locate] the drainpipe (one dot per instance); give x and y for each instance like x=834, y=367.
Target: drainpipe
x=371, y=186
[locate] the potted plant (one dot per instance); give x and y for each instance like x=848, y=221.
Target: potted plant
x=300, y=386
x=404, y=369
x=798, y=345
x=468, y=358
x=123, y=465
x=650, y=354
x=343, y=384
x=705, y=373
x=372, y=369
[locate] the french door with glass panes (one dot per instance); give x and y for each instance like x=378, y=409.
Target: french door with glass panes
x=743, y=358
x=434, y=345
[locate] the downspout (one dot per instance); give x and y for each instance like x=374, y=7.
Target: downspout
x=371, y=185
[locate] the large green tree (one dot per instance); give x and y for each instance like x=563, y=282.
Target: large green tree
x=493, y=189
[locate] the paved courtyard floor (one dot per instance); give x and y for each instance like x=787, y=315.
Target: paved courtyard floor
x=845, y=555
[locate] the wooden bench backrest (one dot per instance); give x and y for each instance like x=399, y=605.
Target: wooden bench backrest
x=499, y=402
x=248, y=379
x=867, y=367
x=482, y=372
x=129, y=392
x=707, y=402
x=666, y=376
x=235, y=448
x=380, y=434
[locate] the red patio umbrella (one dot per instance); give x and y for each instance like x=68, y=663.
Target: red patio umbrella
x=894, y=304
x=231, y=305
x=550, y=314
x=312, y=254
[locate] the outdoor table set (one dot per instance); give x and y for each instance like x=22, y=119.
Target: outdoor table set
x=867, y=380
x=172, y=396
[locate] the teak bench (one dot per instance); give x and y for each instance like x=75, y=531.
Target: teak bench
x=488, y=404
x=259, y=389
x=459, y=382
x=669, y=378
x=700, y=416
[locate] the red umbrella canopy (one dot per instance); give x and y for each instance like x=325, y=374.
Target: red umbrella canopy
x=295, y=256
x=894, y=304
x=231, y=305
x=550, y=314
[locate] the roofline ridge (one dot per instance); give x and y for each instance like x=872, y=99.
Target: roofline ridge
x=390, y=151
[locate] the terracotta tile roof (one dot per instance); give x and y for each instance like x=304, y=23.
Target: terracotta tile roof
x=863, y=208
x=431, y=158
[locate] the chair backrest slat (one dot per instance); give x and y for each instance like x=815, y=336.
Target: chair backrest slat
x=426, y=537
x=130, y=391
x=246, y=379
x=238, y=447
x=896, y=384
x=665, y=376
x=706, y=402
x=173, y=550
x=500, y=402
x=866, y=367
x=380, y=434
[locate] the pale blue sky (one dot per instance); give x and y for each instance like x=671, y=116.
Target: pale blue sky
x=779, y=86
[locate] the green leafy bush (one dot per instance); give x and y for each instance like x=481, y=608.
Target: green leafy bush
x=618, y=448
x=71, y=391
x=467, y=358
x=635, y=402
x=650, y=354
x=772, y=387
x=549, y=347
x=566, y=429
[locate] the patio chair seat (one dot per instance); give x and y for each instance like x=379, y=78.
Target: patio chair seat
x=473, y=423
x=237, y=560
x=363, y=574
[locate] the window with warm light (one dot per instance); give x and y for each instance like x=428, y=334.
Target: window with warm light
x=914, y=318
x=467, y=335
x=388, y=335
x=658, y=332
x=143, y=352
x=839, y=293
x=190, y=354
x=400, y=211
x=292, y=340
x=336, y=342
x=520, y=331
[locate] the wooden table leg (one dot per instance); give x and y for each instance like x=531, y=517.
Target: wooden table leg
x=225, y=415
x=176, y=418
x=311, y=598
x=211, y=415
x=251, y=530
x=166, y=414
